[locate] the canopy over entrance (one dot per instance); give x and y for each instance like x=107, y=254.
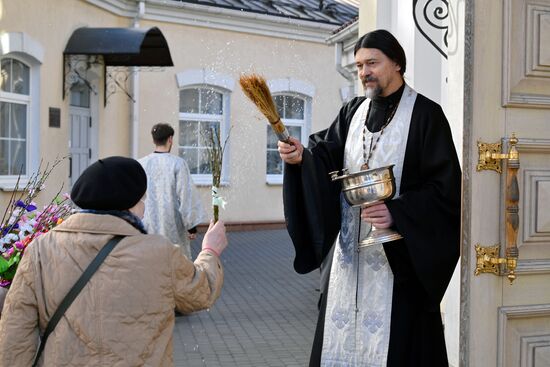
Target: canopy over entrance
x=121, y=46
x=113, y=49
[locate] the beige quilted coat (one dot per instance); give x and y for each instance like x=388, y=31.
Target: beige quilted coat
x=124, y=316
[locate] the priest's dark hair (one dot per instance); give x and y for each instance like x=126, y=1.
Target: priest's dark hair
x=384, y=41
x=161, y=132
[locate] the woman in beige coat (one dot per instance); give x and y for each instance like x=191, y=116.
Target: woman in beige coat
x=124, y=315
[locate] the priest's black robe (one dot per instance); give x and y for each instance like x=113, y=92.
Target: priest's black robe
x=426, y=212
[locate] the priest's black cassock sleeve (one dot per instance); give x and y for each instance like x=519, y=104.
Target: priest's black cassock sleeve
x=311, y=199
x=426, y=212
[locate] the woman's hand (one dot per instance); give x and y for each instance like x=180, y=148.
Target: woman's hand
x=378, y=215
x=291, y=153
x=214, y=239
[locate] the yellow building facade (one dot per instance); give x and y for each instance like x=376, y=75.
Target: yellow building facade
x=78, y=107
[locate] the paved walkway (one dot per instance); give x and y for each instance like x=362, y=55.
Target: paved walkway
x=265, y=316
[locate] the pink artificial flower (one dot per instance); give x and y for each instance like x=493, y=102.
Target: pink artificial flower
x=19, y=245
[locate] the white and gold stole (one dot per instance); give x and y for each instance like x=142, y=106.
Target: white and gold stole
x=359, y=304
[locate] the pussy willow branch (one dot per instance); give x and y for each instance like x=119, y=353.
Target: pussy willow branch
x=215, y=156
x=8, y=207
x=29, y=192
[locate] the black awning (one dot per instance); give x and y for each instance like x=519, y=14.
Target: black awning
x=121, y=46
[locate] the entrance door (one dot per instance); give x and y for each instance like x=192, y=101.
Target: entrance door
x=506, y=91
x=81, y=125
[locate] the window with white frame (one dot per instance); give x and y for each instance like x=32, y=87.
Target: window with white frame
x=14, y=116
x=202, y=112
x=294, y=113
x=20, y=60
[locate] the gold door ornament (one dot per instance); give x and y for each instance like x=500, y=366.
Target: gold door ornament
x=487, y=258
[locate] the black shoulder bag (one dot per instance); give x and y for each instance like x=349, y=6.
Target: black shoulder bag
x=73, y=293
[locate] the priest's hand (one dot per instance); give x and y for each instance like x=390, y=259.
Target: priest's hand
x=291, y=153
x=378, y=215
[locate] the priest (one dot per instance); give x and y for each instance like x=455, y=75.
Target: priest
x=380, y=305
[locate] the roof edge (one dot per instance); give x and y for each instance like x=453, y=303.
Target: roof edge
x=351, y=31
x=220, y=18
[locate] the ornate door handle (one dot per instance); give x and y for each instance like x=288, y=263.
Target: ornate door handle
x=487, y=257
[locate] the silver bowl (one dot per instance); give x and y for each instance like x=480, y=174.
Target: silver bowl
x=366, y=188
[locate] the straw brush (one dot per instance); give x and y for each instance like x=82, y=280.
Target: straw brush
x=256, y=89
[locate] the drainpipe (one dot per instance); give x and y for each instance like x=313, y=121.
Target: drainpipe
x=346, y=93
x=134, y=107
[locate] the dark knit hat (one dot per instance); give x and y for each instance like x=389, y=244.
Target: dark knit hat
x=385, y=42
x=114, y=183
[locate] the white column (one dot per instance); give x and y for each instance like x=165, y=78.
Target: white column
x=134, y=107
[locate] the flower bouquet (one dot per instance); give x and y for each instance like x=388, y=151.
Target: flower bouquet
x=22, y=222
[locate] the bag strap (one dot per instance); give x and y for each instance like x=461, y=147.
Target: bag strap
x=73, y=293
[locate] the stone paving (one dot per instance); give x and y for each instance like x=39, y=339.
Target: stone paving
x=265, y=316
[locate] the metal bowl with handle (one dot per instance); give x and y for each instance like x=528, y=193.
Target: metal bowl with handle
x=366, y=188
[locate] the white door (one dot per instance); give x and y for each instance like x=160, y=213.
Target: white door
x=506, y=91
x=81, y=125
